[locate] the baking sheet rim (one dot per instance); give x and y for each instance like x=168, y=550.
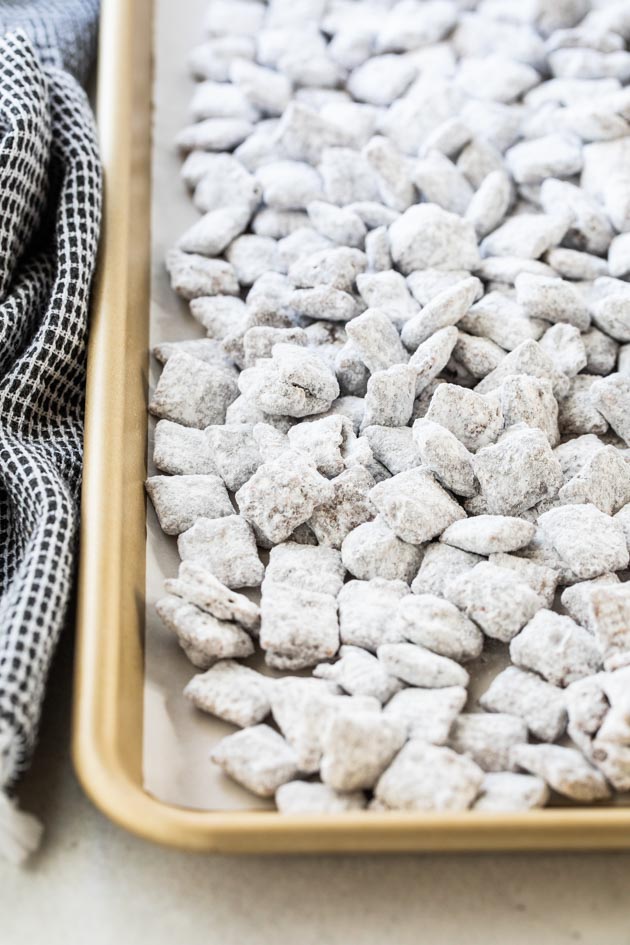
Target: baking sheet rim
x=107, y=746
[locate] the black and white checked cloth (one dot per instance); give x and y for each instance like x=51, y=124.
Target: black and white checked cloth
x=50, y=202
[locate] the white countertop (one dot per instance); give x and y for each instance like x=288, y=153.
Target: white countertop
x=93, y=883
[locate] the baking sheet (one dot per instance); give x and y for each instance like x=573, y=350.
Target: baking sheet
x=177, y=737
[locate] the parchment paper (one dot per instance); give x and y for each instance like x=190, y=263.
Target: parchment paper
x=177, y=737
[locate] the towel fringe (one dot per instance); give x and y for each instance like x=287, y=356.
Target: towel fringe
x=20, y=833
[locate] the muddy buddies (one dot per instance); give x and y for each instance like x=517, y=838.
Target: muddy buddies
x=401, y=454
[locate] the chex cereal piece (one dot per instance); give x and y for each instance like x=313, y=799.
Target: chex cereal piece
x=575, y=453
x=349, y=507
x=366, y=609
x=427, y=777
x=577, y=413
x=542, y=551
x=489, y=534
x=587, y=707
x=575, y=265
x=206, y=637
x=311, y=797
x=441, y=182
x=415, y=506
x=283, y=494
x=490, y=202
x=527, y=358
x=542, y=579
x=390, y=396
x=338, y=267
x=487, y=738
x=226, y=547
x=323, y=440
x=193, y=275
x=304, y=136
x=530, y=400
x=393, y=447
x=440, y=566
x=611, y=314
x=432, y=356
x=577, y=599
x=377, y=340
x=557, y=648
x=418, y=666
x=501, y=271
x=192, y=392
x=357, y=747
x=313, y=568
x=381, y=79
x=504, y=791
x=564, y=769
x=235, y=453
x=446, y=308
x=339, y=306
x=495, y=598
x=475, y=420
x=499, y=318
x=259, y=340
x=220, y=315
x=388, y=292
x=232, y=692
x=426, y=284
x=180, y=500
x=603, y=481
x=428, y=713
x=359, y=674
x=214, y=231
x=270, y=441
x=526, y=235
x=426, y=236
x=295, y=382
x=206, y=349
x=377, y=250
x=349, y=181
x=373, y=550
x=182, y=451
x=611, y=619
x=299, y=627
x=251, y=256
x=553, y=155
x=565, y=346
x=588, y=541
x=258, y=758
x=611, y=397
x=200, y=587
x=541, y=705
x=338, y=224
x=438, y=625
x=552, y=299
x=517, y=472
x=302, y=709
x=289, y=185
x=224, y=183
x=619, y=256
x=392, y=172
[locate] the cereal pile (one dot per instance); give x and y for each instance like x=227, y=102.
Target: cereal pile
x=409, y=422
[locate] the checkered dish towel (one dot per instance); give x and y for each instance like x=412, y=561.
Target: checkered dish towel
x=50, y=200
